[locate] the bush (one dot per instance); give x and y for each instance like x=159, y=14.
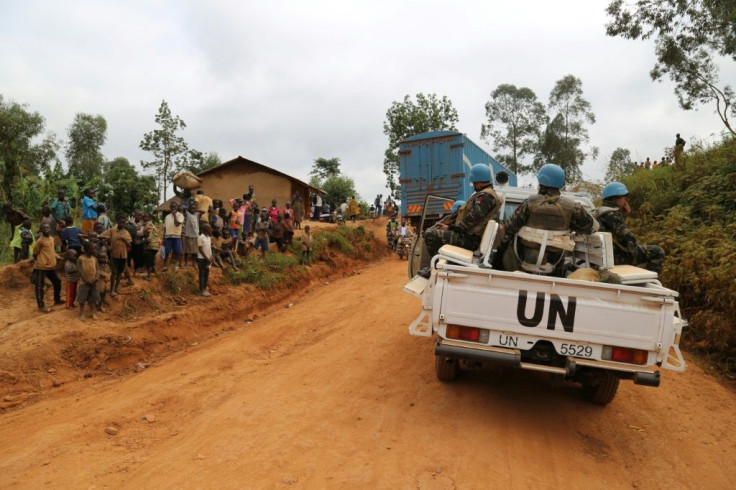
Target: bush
x=690, y=212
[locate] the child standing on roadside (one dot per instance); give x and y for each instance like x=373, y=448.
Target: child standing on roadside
x=88, y=276
x=306, y=246
x=71, y=277
x=153, y=243
x=22, y=241
x=204, y=258
x=44, y=266
x=120, y=245
x=263, y=229
x=103, y=266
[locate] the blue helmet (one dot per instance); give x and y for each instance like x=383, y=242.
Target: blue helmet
x=551, y=175
x=614, y=189
x=456, y=205
x=480, y=173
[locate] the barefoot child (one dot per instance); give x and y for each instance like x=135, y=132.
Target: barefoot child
x=88, y=276
x=71, y=277
x=306, y=246
x=120, y=245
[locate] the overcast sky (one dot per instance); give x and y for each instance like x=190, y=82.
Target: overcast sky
x=285, y=82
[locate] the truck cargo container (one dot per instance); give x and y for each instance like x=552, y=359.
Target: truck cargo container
x=439, y=163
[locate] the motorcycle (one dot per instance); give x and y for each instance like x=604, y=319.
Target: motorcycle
x=403, y=246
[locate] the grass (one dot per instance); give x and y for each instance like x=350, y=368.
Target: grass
x=276, y=270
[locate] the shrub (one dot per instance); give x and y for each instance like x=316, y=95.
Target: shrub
x=690, y=212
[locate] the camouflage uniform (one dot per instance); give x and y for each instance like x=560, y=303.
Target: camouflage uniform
x=468, y=225
x=626, y=249
x=547, y=210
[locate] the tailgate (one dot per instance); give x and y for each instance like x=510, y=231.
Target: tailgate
x=577, y=317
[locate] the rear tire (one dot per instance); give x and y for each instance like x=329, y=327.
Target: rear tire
x=446, y=369
x=604, y=391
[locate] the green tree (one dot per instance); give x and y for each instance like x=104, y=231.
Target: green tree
x=124, y=190
x=19, y=155
x=170, y=151
x=620, y=165
x=692, y=38
x=338, y=189
x=407, y=118
x=515, y=122
x=566, y=133
x=324, y=168
x=199, y=162
x=86, y=135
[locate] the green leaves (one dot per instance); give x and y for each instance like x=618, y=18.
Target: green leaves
x=407, y=118
x=324, y=168
x=123, y=190
x=691, y=39
x=171, y=153
x=515, y=121
x=565, y=136
x=86, y=135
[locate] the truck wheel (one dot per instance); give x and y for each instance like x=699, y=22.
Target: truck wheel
x=604, y=392
x=446, y=369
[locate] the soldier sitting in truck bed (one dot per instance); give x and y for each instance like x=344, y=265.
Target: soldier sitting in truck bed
x=626, y=250
x=468, y=225
x=544, y=220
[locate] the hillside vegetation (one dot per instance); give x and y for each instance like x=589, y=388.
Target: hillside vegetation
x=690, y=212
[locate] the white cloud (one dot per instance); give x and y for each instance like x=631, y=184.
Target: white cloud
x=285, y=82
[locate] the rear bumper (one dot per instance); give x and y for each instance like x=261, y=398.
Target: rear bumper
x=512, y=358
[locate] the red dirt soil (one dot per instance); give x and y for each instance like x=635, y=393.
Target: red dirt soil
x=320, y=387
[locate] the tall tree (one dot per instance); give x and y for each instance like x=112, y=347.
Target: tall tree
x=170, y=151
x=564, y=137
x=620, y=165
x=406, y=118
x=692, y=38
x=124, y=190
x=199, y=162
x=19, y=127
x=87, y=134
x=338, y=189
x=325, y=167
x=515, y=122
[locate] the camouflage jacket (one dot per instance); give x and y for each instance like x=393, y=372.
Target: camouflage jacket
x=612, y=220
x=580, y=220
x=481, y=207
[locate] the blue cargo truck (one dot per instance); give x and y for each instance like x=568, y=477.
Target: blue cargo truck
x=438, y=163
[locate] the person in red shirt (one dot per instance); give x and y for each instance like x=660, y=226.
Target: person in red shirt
x=274, y=211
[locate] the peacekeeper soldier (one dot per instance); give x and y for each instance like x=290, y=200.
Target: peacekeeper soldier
x=626, y=250
x=544, y=220
x=466, y=228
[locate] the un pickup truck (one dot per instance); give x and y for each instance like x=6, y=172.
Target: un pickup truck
x=591, y=333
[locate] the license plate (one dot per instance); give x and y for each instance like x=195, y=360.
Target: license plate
x=575, y=350
x=524, y=342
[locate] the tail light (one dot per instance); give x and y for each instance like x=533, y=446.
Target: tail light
x=624, y=354
x=471, y=334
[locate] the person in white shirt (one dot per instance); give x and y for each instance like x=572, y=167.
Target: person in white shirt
x=204, y=258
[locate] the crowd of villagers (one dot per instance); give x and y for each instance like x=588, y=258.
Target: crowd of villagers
x=100, y=254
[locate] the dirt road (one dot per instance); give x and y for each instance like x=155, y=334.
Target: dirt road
x=333, y=393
